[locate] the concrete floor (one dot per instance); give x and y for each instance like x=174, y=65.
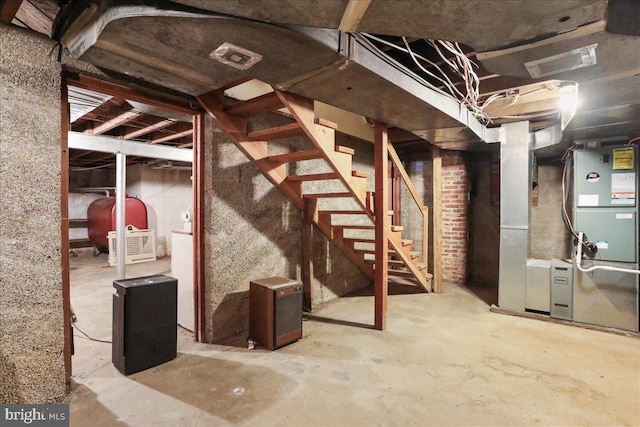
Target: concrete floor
x=443, y=360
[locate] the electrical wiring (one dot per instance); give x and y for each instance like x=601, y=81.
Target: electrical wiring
x=463, y=67
x=567, y=158
x=89, y=337
x=632, y=140
x=454, y=93
x=449, y=85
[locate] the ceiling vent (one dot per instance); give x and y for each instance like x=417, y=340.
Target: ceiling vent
x=577, y=58
x=235, y=56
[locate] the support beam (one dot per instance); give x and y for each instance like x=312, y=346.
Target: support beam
x=119, y=120
x=64, y=232
x=381, y=204
x=353, y=14
x=172, y=137
x=308, y=213
x=425, y=238
x=437, y=221
x=121, y=185
x=198, y=226
x=105, y=144
x=183, y=104
x=148, y=129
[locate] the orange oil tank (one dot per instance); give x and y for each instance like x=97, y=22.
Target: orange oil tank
x=101, y=218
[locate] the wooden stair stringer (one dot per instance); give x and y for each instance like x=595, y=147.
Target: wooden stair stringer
x=336, y=237
x=323, y=137
x=413, y=268
x=256, y=151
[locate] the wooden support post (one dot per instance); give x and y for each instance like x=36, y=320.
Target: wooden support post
x=308, y=211
x=437, y=221
x=425, y=237
x=64, y=231
x=198, y=226
x=395, y=193
x=381, y=203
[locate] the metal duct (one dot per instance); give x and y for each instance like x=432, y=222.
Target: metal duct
x=515, y=212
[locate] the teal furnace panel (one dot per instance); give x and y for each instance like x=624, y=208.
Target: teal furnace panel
x=606, y=200
x=606, y=177
x=612, y=230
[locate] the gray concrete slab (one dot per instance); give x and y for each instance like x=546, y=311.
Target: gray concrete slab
x=444, y=360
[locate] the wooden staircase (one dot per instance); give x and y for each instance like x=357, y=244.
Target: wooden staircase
x=356, y=238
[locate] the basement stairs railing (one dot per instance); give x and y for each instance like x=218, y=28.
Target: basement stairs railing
x=355, y=231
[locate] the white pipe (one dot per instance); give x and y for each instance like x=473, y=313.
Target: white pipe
x=121, y=182
x=598, y=267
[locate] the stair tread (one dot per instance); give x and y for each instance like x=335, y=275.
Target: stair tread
x=342, y=212
x=391, y=251
x=355, y=227
x=407, y=242
x=327, y=195
x=397, y=228
x=397, y=262
x=313, y=177
x=396, y=272
x=360, y=174
x=345, y=150
x=296, y=156
x=278, y=132
x=254, y=106
x=324, y=122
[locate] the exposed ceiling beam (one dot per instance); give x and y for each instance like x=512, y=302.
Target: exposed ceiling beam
x=353, y=14
x=34, y=18
x=183, y=104
x=106, y=144
x=151, y=127
x=172, y=136
x=119, y=120
x=8, y=10
x=106, y=109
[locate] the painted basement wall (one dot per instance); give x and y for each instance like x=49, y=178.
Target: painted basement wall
x=252, y=231
x=166, y=193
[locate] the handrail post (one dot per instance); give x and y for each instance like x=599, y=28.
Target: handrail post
x=425, y=236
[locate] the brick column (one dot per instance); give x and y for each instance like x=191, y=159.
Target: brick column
x=454, y=217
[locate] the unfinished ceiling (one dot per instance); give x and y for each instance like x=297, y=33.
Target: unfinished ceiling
x=500, y=36
x=93, y=113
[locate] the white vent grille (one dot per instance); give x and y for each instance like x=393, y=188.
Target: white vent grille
x=235, y=56
x=573, y=60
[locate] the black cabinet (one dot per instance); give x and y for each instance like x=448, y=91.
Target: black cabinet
x=145, y=322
